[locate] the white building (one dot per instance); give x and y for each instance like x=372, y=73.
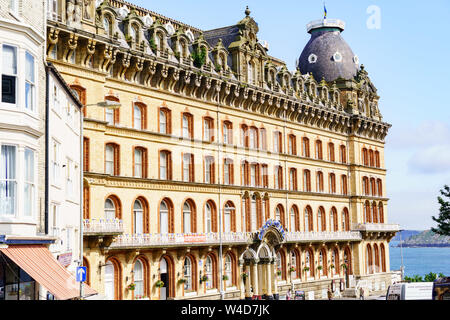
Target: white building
x=28, y=226
x=64, y=127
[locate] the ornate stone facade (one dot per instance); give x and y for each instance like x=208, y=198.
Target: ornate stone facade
x=213, y=140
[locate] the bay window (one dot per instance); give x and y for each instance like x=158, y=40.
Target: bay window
x=29, y=183
x=8, y=182
x=9, y=74
x=29, y=82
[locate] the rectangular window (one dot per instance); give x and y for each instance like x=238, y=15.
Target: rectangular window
x=55, y=162
x=69, y=238
x=8, y=183
x=69, y=178
x=109, y=161
x=186, y=167
x=29, y=186
x=9, y=74
x=137, y=163
x=52, y=9
x=209, y=170
x=29, y=82
x=265, y=175
x=109, y=116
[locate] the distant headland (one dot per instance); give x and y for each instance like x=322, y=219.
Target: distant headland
x=413, y=238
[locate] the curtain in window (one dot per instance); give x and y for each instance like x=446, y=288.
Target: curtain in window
x=29, y=183
x=8, y=184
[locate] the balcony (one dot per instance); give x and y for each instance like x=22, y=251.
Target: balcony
x=179, y=239
x=377, y=231
x=102, y=227
x=376, y=227
x=323, y=236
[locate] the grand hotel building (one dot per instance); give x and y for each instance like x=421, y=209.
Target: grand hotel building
x=222, y=174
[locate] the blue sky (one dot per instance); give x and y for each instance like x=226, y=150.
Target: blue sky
x=407, y=59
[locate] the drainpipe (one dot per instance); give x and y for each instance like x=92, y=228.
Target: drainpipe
x=47, y=126
x=222, y=293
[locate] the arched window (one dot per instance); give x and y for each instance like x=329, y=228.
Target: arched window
x=343, y=154
x=279, y=177
x=380, y=187
x=112, y=159
x=293, y=179
x=244, y=136
x=365, y=157
x=365, y=185
x=373, y=187
x=228, y=270
x=110, y=209
x=187, y=218
x=374, y=213
x=381, y=212
x=305, y=147
x=188, y=126
x=377, y=159
x=345, y=220
x=209, y=272
x=107, y=25
x=139, y=116
x=369, y=259
x=210, y=217
x=208, y=129
x=332, y=182
x=319, y=154
x=306, y=180
x=188, y=275
x=321, y=220
x=335, y=262
x=229, y=224
x=292, y=144
x=253, y=138
x=281, y=266
x=140, y=162
x=279, y=215
x=377, y=258
x=277, y=142
x=295, y=263
x=138, y=278
x=383, y=258
x=331, y=152
x=138, y=217
x=165, y=218
x=251, y=73
x=164, y=121
x=134, y=33
x=334, y=220
x=309, y=263
x=294, y=220
x=323, y=263
x=227, y=132
x=109, y=288
x=344, y=185
x=309, y=226
x=348, y=260
x=319, y=181
x=263, y=139
x=165, y=165
x=367, y=215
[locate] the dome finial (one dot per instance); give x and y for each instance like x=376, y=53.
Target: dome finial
x=247, y=11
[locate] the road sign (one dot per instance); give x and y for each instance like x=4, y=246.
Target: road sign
x=81, y=274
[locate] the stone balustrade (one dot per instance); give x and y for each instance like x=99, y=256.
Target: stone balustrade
x=102, y=226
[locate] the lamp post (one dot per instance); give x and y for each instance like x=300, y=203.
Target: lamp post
x=102, y=104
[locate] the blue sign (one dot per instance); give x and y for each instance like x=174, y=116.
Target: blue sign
x=274, y=224
x=81, y=274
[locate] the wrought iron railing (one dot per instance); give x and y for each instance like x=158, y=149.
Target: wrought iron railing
x=102, y=226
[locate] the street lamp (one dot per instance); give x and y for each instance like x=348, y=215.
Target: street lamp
x=107, y=104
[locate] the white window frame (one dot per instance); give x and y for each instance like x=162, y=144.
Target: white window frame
x=13, y=181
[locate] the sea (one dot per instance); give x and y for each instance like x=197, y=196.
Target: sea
x=420, y=261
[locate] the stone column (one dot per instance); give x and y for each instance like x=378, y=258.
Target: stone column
x=261, y=285
x=241, y=280
x=255, y=278
x=274, y=280
x=270, y=278
x=248, y=294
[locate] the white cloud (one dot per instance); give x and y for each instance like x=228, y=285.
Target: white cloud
x=431, y=160
x=428, y=133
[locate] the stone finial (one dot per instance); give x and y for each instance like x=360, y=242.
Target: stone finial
x=247, y=11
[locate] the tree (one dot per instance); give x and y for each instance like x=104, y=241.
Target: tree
x=430, y=277
x=443, y=220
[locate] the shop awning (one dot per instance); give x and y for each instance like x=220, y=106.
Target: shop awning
x=39, y=263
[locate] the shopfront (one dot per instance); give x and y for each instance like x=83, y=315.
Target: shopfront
x=15, y=283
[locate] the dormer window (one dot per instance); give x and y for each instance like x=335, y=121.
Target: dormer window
x=356, y=59
x=312, y=58
x=107, y=25
x=133, y=33
x=337, y=57
x=251, y=73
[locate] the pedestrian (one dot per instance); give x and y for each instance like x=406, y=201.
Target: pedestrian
x=330, y=294
x=361, y=293
x=288, y=295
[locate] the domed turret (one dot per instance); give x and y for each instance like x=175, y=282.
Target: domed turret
x=327, y=55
